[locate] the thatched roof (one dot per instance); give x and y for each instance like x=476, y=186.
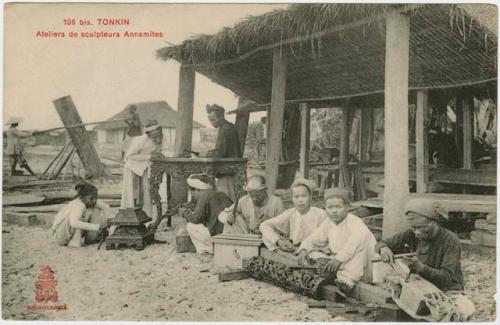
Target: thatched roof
x=160, y=111
x=338, y=50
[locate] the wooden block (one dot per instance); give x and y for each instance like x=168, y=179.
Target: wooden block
x=390, y=313
x=371, y=293
x=491, y=218
x=483, y=238
x=280, y=257
x=485, y=226
x=21, y=219
x=233, y=275
x=328, y=292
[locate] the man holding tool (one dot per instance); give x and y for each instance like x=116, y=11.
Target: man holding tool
x=437, y=250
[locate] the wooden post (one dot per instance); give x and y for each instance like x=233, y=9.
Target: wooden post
x=273, y=148
x=79, y=136
x=344, y=137
x=305, y=133
x=468, y=130
x=366, y=123
x=184, y=128
x=396, y=123
x=421, y=139
x=241, y=123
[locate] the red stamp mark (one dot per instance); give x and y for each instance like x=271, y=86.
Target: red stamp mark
x=45, y=291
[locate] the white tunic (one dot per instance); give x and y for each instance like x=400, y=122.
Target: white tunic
x=350, y=241
x=137, y=162
x=291, y=224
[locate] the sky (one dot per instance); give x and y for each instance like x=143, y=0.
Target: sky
x=104, y=75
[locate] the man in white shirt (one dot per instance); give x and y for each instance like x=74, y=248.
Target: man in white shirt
x=344, y=237
x=136, y=188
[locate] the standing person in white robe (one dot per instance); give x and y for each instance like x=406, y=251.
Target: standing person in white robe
x=136, y=170
x=290, y=228
x=344, y=236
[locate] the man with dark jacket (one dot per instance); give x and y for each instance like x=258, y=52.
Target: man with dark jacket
x=437, y=250
x=226, y=146
x=203, y=222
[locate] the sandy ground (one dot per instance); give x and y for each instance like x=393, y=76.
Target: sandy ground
x=155, y=284
x=158, y=284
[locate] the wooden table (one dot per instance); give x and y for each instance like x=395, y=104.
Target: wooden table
x=183, y=167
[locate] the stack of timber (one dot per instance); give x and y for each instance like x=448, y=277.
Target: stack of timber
x=486, y=231
x=39, y=210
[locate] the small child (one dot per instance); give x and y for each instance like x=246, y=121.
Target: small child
x=287, y=230
x=346, y=237
x=79, y=221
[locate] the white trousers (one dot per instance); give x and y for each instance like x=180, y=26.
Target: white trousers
x=200, y=236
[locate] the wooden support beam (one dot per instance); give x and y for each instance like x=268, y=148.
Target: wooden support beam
x=421, y=139
x=305, y=133
x=241, y=123
x=396, y=186
x=275, y=120
x=184, y=128
x=468, y=130
x=366, y=130
x=79, y=136
x=344, y=137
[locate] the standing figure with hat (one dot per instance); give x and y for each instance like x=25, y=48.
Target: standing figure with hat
x=226, y=146
x=252, y=209
x=136, y=189
x=289, y=229
x=15, y=150
x=133, y=122
x=437, y=250
x=343, y=239
x=202, y=222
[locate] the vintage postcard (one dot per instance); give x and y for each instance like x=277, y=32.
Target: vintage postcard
x=233, y=162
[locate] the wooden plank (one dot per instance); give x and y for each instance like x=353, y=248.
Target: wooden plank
x=475, y=177
x=21, y=199
x=42, y=208
x=421, y=138
x=79, y=136
x=396, y=186
x=280, y=257
x=233, y=275
x=305, y=133
x=461, y=202
x=371, y=293
x=273, y=148
x=183, y=129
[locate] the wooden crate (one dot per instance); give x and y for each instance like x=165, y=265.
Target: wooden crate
x=231, y=249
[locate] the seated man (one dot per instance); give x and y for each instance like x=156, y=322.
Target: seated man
x=79, y=221
x=252, y=209
x=345, y=236
x=438, y=250
x=203, y=222
x=290, y=228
